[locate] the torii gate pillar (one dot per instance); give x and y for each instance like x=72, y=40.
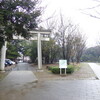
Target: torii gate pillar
x=39, y=39
x=39, y=52
x=3, y=55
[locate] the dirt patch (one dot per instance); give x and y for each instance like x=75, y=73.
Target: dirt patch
x=83, y=73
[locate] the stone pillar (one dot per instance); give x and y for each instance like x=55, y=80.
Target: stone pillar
x=3, y=55
x=39, y=52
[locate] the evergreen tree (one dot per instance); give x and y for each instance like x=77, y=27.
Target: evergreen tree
x=17, y=17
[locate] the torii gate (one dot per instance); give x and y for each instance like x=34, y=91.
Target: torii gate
x=41, y=35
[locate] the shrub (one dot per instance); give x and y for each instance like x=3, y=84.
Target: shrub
x=49, y=67
x=56, y=70
x=70, y=70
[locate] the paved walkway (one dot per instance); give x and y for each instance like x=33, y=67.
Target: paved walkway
x=23, y=88
x=96, y=69
x=55, y=90
x=23, y=66
x=17, y=79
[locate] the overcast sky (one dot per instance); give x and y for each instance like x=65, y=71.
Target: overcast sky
x=74, y=10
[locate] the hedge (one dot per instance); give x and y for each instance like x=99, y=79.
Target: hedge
x=56, y=70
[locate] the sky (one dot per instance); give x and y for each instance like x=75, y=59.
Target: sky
x=75, y=9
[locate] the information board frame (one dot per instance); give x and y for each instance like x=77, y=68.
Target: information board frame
x=62, y=65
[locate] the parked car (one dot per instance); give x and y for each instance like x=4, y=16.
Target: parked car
x=10, y=62
x=6, y=64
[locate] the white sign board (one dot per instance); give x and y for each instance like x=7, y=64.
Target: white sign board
x=62, y=63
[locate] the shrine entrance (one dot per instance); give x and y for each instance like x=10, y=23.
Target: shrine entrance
x=36, y=35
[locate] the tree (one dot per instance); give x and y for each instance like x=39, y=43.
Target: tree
x=91, y=54
x=70, y=40
x=50, y=51
x=93, y=11
x=61, y=35
x=33, y=55
x=17, y=47
x=65, y=41
x=12, y=52
x=17, y=17
x=79, y=46
x=23, y=47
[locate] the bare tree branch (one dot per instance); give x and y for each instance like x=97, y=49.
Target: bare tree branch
x=91, y=9
x=91, y=15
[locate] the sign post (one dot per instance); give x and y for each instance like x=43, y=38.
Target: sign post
x=62, y=65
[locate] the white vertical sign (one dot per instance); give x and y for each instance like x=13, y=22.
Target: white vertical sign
x=62, y=65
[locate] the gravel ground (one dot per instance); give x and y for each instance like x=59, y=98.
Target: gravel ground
x=84, y=73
